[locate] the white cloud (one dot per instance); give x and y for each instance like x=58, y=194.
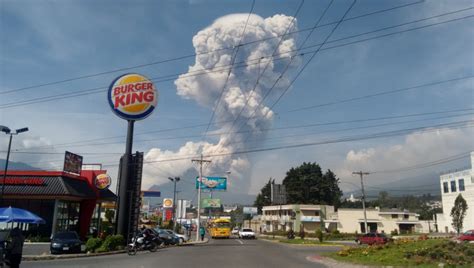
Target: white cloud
x=241, y=92
x=417, y=148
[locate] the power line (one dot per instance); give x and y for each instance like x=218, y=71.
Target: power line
x=96, y=90
x=319, y=132
x=234, y=56
x=192, y=55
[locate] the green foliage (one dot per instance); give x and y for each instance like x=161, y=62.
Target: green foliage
x=301, y=233
x=38, y=238
x=109, y=215
x=93, y=244
x=458, y=212
x=408, y=253
x=264, y=198
x=307, y=184
x=319, y=235
x=394, y=232
x=112, y=242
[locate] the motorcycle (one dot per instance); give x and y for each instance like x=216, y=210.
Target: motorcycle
x=143, y=242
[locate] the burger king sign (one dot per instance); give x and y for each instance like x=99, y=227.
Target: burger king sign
x=102, y=181
x=132, y=96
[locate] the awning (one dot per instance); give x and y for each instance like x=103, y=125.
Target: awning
x=107, y=195
x=408, y=222
x=369, y=220
x=47, y=186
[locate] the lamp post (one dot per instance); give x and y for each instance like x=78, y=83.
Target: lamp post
x=7, y=131
x=175, y=180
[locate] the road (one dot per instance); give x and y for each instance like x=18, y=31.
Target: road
x=216, y=253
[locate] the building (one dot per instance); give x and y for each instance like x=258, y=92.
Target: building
x=294, y=216
x=453, y=184
x=64, y=200
x=350, y=220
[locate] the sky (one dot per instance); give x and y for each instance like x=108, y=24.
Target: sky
x=350, y=95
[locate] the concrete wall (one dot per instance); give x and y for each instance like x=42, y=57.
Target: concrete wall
x=445, y=220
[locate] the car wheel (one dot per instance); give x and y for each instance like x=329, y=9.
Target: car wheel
x=181, y=241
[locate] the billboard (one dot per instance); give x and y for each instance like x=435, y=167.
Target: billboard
x=251, y=210
x=72, y=163
x=211, y=203
x=212, y=183
x=278, y=194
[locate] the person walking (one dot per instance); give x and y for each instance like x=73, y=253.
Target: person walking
x=202, y=232
x=16, y=247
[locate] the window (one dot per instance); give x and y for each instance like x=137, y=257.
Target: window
x=445, y=187
x=406, y=216
x=453, y=186
x=316, y=213
x=461, y=185
x=394, y=216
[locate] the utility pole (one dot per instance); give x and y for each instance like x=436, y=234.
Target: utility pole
x=200, y=161
x=175, y=180
x=361, y=174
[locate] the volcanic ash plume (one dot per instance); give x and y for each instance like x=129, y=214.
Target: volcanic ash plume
x=238, y=110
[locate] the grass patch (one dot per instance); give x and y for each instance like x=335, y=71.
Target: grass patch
x=423, y=253
x=306, y=242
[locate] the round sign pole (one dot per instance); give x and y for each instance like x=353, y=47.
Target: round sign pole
x=132, y=97
x=124, y=192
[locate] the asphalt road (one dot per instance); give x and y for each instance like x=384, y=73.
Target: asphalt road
x=216, y=253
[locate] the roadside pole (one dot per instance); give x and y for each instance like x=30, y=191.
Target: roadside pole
x=361, y=174
x=198, y=226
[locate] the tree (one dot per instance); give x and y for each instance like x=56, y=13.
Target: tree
x=264, y=198
x=109, y=215
x=307, y=184
x=458, y=212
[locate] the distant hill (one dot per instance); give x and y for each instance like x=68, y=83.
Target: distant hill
x=16, y=166
x=417, y=185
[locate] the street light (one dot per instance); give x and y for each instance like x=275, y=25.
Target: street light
x=175, y=180
x=7, y=131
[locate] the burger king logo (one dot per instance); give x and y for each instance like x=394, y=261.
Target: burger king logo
x=167, y=203
x=102, y=181
x=132, y=96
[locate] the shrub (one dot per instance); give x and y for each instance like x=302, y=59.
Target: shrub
x=394, y=232
x=92, y=244
x=301, y=234
x=112, y=242
x=335, y=232
x=319, y=235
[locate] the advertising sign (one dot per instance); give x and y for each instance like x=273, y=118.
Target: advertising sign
x=211, y=203
x=167, y=202
x=251, y=210
x=72, y=163
x=102, y=181
x=212, y=183
x=132, y=96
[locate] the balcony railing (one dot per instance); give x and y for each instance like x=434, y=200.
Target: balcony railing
x=311, y=218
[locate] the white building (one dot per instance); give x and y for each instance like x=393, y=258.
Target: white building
x=350, y=220
x=294, y=216
x=453, y=184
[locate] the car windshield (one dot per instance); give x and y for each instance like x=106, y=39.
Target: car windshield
x=247, y=230
x=65, y=235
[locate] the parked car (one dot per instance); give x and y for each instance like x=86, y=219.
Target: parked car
x=181, y=237
x=235, y=231
x=168, y=239
x=66, y=242
x=247, y=233
x=372, y=238
x=467, y=236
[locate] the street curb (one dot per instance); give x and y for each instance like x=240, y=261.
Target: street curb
x=302, y=245
x=205, y=241
x=68, y=256
x=329, y=262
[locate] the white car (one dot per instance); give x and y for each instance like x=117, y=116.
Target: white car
x=235, y=231
x=247, y=233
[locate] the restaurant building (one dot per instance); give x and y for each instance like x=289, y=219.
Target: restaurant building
x=65, y=201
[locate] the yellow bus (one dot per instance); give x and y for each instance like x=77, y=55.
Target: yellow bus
x=219, y=228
